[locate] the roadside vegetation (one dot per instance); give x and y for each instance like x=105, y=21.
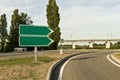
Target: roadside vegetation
x=117, y=55
x=9, y=41
x=53, y=19
x=24, y=61
x=24, y=68
x=95, y=46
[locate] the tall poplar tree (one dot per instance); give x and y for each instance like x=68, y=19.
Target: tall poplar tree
x=53, y=19
x=3, y=31
x=14, y=29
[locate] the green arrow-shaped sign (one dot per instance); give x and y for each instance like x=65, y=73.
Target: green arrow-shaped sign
x=36, y=41
x=31, y=35
x=34, y=30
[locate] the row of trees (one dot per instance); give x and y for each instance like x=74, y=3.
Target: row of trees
x=16, y=20
x=10, y=41
x=95, y=46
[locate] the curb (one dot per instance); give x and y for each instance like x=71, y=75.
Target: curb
x=113, y=60
x=49, y=75
x=66, y=62
x=61, y=70
x=52, y=68
x=63, y=66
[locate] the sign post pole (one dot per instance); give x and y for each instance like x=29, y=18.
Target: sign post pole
x=35, y=51
x=34, y=36
x=61, y=46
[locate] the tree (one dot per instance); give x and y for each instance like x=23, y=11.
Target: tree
x=3, y=31
x=24, y=19
x=53, y=19
x=14, y=28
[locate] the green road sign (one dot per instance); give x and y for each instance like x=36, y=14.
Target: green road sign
x=31, y=35
x=34, y=30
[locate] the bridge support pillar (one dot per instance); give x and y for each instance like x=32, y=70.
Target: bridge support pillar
x=108, y=44
x=91, y=44
x=73, y=45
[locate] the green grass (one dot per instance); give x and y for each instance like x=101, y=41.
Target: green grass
x=25, y=61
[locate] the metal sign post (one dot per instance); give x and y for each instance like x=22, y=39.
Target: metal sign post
x=34, y=36
x=61, y=46
x=35, y=51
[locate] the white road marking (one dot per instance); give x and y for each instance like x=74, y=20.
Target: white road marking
x=63, y=67
x=108, y=57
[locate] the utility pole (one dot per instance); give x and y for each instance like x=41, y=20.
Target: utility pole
x=111, y=35
x=61, y=46
x=108, y=36
x=71, y=36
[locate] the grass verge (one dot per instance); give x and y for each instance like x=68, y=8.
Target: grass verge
x=25, y=61
x=117, y=55
x=24, y=68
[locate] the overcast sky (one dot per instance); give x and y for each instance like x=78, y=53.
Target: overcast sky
x=80, y=19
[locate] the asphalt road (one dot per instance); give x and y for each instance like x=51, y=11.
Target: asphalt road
x=91, y=66
x=9, y=54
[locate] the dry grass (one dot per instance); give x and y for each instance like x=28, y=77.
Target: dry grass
x=117, y=55
x=29, y=71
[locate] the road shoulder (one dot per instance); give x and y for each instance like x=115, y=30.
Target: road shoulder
x=114, y=58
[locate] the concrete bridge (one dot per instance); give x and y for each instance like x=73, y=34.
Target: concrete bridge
x=90, y=42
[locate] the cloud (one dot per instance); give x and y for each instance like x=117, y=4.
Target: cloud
x=34, y=8
x=87, y=20
x=81, y=18
x=71, y=3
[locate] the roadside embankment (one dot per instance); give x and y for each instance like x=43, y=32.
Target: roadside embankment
x=116, y=57
x=23, y=67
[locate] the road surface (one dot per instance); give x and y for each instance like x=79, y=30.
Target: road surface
x=91, y=66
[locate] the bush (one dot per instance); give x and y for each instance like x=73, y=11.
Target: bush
x=9, y=48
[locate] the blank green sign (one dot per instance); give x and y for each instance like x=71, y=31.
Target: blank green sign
x=34, y=30
x=36, y=41
x=34, y=35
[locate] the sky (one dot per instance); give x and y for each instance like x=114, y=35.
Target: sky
x=79, y=19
